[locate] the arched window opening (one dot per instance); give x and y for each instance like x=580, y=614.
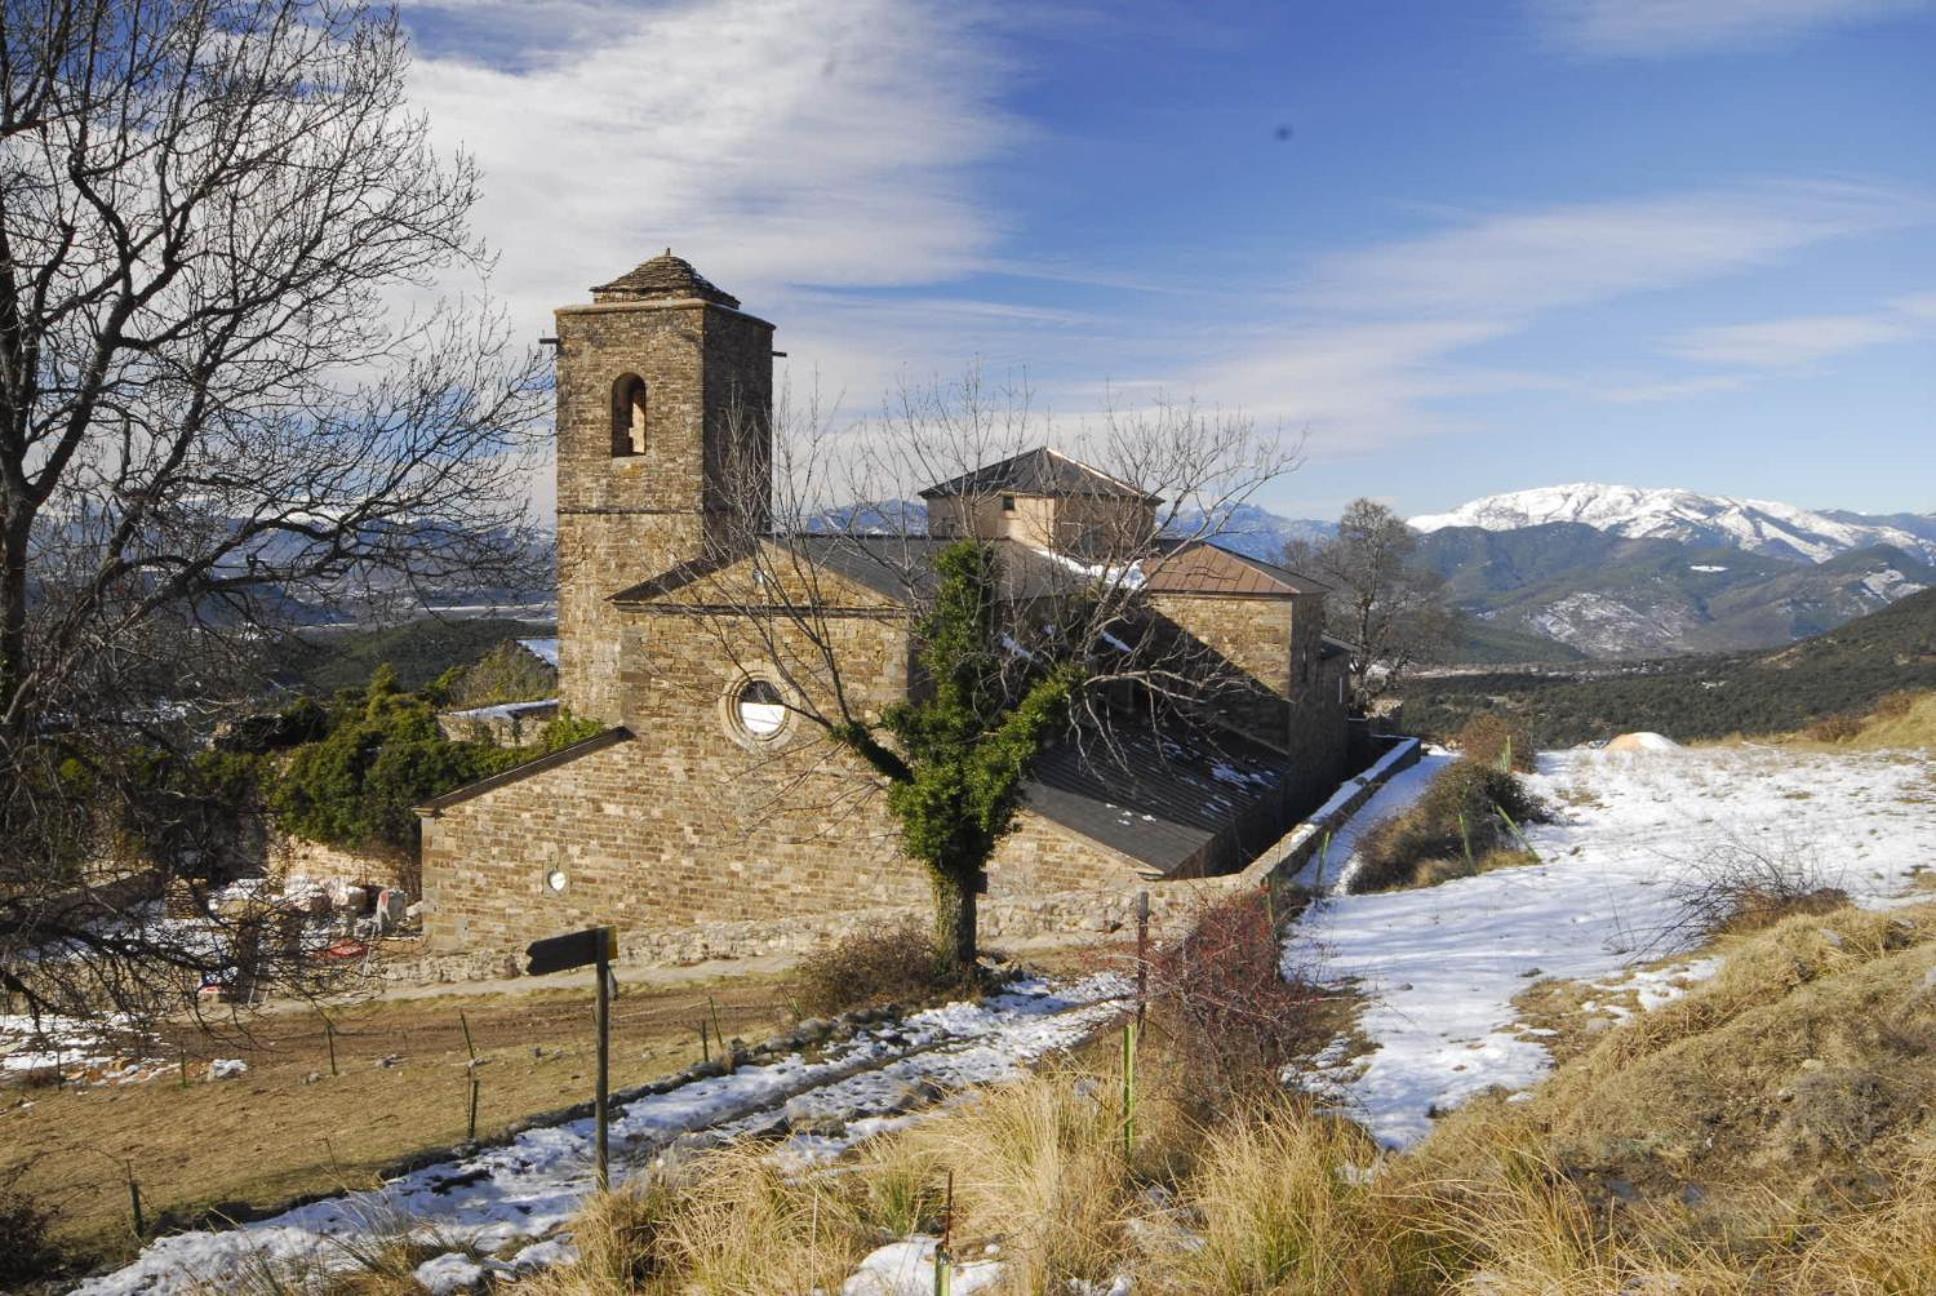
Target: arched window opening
x=759, y=708
x=628, y=416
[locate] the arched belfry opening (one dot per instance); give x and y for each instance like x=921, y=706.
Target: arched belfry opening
x=628, y=416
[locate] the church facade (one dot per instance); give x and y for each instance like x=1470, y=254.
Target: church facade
x=705, y=799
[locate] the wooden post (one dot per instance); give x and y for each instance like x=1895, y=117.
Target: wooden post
x=601, y=1094
x=944, y=1277
x=719, y=1035
x=1142, y=954
x=329, y=1034
x=1129, y=1088
x=471, y=1134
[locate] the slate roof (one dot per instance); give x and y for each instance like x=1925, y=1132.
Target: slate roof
x=1155, y=799
x=664, y=276
x=896, y=567
x=1037, y=472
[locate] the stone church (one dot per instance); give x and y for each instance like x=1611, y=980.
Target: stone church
x=705, y=804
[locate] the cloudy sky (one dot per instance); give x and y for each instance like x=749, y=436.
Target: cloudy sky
x=1460, y=248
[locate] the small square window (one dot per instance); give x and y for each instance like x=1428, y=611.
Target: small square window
x=1008, y=503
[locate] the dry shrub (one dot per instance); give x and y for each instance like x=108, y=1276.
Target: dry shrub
x=1287, y=1203
x=1470, y=811
x=1494, y=740
x=1834, y=729
x=1741, y=885
x=615, y=1234
x=898, y=964
x=1039, y=1170
x=726, y=1221
x=27, y=1250
x=1894, y=706
x=1220, y=996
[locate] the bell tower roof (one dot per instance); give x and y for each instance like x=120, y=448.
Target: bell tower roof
x=664, y=277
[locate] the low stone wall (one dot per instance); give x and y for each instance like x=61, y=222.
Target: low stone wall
x=1287, y=857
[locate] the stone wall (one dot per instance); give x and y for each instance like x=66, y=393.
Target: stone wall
x=692, y=823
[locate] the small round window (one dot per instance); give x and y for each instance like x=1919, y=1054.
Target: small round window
x=759, y=710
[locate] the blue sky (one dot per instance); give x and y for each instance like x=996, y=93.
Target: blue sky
x=1457, y=248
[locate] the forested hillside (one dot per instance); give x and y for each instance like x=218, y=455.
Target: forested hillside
x=1844, y=670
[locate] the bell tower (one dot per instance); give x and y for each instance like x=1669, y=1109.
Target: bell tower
x=665, y=400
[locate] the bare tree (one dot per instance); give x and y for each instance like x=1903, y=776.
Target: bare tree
x=1393, y=613
x=1013, y=646
x=213, y=402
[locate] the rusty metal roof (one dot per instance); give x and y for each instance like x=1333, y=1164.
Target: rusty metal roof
x=1203, y=567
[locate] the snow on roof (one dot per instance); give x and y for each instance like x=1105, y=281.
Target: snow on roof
x=545, y=650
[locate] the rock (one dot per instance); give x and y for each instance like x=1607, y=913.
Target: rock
x=1531, y=972
x=1812, y=1064
x=1623, y=1190
x=227, y=1068
x=394, y=1059
x=314, y=1077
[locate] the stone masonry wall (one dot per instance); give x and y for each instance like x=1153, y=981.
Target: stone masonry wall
x=690, y=824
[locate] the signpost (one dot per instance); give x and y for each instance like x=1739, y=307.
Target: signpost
x=597, y=946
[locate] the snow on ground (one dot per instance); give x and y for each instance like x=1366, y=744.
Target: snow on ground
x=1332, y=868
x=496, y=1202
x=1442, y=964
x=82, y=1052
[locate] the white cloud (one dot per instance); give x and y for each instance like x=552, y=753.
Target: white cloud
x=1784, y=343
x=1651, y=28
x=1383, y=344
x=773, y=142
x=1525, y=262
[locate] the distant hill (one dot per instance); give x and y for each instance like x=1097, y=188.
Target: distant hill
x=322, y=660
x=1842, y=670
x=1609, y=595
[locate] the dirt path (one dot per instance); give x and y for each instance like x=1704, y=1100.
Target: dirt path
x=288, y=1127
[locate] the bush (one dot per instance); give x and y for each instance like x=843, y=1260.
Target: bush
x=1469, y=812
x=1834, y=729
x=1744, y=886
x=1492, y=739
x=897, y=964
x=1894, y=706
x=1219, y=992
x=27, y=1253
x=383, y=755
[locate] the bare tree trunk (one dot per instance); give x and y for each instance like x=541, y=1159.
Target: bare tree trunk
x=954, y=916
x=13, y=628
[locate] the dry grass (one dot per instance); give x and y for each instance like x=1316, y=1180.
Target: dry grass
x=897, y=965
x=249, y=1143
x=1772, y=1131
x=1900, y=721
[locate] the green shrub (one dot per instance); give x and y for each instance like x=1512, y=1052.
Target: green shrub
x=1469, y=812
x=1496, y=740
x=383, y=756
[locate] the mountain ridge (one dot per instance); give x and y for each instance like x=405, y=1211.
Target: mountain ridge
x=1767, y=527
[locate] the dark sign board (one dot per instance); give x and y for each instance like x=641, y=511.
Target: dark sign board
x=578, y=949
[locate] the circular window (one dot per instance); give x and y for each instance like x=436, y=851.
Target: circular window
x=556, y=881
x=759, y=710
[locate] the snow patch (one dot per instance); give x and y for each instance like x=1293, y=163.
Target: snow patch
x=1441, y=965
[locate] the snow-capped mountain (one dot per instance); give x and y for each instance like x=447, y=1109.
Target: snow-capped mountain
x=1757, y=526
